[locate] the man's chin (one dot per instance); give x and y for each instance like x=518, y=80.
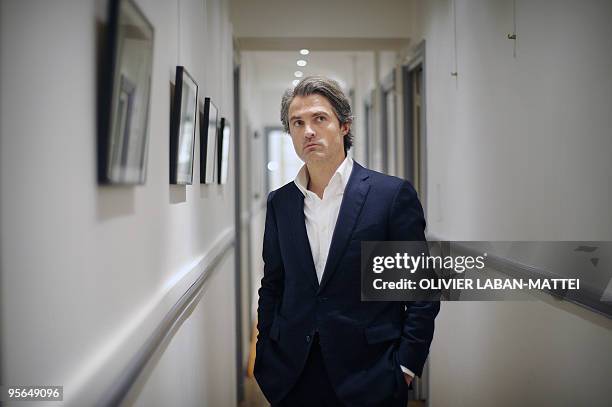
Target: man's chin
x=315, y=157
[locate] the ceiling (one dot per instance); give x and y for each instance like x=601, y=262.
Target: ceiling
x=275, y=69
x=323, y=18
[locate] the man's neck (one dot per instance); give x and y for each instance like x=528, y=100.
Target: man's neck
x=320, y=173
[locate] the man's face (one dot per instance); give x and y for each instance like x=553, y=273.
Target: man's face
x=315, y=130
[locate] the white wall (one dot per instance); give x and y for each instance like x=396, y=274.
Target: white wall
x=195, y=368
x=531, y=133
x=519, y=149
x=84, y=267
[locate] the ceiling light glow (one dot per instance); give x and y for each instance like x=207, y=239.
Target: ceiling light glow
x=295, y=82
x=304, y=51
x=301, y=62
x=298, y=74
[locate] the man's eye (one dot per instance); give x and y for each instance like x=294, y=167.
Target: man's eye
x=320, y=118
x=297, y=123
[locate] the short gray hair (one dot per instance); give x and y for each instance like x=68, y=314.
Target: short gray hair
x=328, y=88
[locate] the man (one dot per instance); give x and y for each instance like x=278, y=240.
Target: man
x=318, y=343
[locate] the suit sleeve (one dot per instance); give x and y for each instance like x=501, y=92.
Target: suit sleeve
x=271, y=289
x=407, y=222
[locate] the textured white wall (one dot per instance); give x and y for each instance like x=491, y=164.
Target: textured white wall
x=82, y=264
x=196, y=369
x=519, y=148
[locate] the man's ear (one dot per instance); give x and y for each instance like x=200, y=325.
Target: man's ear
x=345, y=128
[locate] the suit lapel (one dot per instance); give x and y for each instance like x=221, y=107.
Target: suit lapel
x=350, y=208
x=300, y=236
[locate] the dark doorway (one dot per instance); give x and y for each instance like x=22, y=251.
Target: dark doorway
x=415, y=146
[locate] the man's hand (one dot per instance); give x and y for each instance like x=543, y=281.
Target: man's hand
x=407, y=378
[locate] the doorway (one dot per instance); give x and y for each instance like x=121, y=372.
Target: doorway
x=415, y=156
x=415, y=136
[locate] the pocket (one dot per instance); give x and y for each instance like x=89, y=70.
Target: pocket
x=399, y=374
x=382, y=333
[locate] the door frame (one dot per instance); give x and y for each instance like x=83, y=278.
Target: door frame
x=417, y=60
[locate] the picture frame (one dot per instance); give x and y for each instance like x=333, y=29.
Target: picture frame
x=225, y=131
x=125, y=93
x=208, y=142
x=183, y=127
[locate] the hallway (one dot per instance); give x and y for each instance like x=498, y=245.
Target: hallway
x=133, y=192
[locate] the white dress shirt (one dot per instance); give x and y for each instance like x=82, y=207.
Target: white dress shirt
x=321, y=214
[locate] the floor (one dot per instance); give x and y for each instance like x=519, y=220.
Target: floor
x=253, y=396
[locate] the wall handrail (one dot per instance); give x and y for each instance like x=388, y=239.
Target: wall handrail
x=587, y=297
x=134, y=370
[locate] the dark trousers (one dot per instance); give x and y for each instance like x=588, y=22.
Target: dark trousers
x=314, y=389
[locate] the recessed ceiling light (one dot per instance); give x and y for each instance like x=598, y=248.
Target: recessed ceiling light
x=304, y=51
x=298, y=74
x=295, y=82
x=301, y=62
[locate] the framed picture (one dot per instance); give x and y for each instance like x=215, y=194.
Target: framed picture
x=125, y=89
x=208, y=143
x=223, y=150
x=183, y=127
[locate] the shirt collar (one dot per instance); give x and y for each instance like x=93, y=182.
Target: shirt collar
x=343, y=173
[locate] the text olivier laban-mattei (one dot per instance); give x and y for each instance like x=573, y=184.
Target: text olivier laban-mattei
x=459, y=264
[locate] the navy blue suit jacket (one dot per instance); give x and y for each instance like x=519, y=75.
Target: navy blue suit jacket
x=363, y=343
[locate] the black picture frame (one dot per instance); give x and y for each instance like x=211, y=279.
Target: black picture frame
x=223, y=143
x=125, y=93
x=183, y=127
x=208, y=142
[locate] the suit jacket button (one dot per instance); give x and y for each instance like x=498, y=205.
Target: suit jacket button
x=307, y=338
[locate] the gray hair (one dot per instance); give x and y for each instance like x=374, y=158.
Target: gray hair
x=328, y=88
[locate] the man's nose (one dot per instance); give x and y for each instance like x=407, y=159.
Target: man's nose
x=308, y=132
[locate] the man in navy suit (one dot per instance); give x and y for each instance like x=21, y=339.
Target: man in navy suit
x=318, y=343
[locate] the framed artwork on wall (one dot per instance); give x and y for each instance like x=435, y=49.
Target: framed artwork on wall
x=223, y=150
x=208, y=142
x=183, y=127
x=125, y=89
